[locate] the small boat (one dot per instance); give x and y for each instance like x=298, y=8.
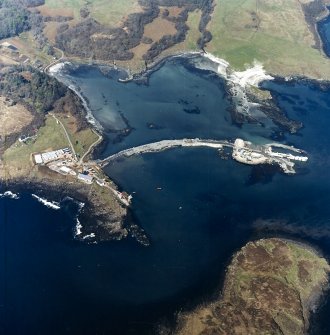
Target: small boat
x=158, y=188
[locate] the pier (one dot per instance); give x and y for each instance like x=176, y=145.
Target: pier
x=243, y=151
x=164, y=145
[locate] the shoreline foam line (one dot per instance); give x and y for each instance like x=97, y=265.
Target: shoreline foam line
x=50, y=204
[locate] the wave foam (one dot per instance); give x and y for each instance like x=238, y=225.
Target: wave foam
x=58, y=72
x=78, y=227
x=222, y=65
x=57, y=68
x=92, y=235
x=50, y=204
x=252, y=76
x=10, y=195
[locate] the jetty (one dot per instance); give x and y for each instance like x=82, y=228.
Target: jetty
x=164, y=145
x=242, y=151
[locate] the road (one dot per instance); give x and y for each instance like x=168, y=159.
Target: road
x=91, y=147
x=67, y=135
x=46, y=68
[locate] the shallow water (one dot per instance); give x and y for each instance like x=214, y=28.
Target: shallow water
x=206, y=209
x=179, y=101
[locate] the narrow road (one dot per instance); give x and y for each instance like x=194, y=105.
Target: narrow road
x=66, y=133
x=91, y=147
x=46, y=68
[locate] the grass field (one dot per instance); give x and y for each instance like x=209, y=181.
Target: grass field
x=18, y=157
x=272, y=32
x=109, y=12
x=49, y=137
x=81, y=140
x=14, y=118
x=193, y=34
x=27, y=46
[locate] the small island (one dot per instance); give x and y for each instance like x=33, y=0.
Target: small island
x=271, y=287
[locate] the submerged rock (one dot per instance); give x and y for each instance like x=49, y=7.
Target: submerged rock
x=271, y=286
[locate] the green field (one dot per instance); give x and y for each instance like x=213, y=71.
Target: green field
x=17, y=158
x=277, y=35
x=193, y=34
x=49, y=137
x=81, y=140
x=108, y=12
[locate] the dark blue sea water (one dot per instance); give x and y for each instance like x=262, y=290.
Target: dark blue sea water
x=324, y=31
x=206, y=209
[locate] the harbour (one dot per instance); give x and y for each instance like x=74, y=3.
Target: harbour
x=206, y=209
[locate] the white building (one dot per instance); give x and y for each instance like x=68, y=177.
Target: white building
x=85, y=178
x=38, y=159
x=65, y=170
x=50, y=156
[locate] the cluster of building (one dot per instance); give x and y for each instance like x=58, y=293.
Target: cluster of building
x=247, y=153
x=63, y=162
x=55, y=155
x=11, y=51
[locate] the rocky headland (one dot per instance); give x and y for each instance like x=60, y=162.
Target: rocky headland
x=271, y=287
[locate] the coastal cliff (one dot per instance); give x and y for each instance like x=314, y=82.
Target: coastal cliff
x=102, y=215
x=271, y=286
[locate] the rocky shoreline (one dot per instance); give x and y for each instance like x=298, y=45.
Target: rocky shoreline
x=101, y=218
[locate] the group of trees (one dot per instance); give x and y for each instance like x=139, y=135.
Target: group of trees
x=14, y=18
x=169, y=40
x=206, y=7
x=39, y=93
x=31, y=87
x=90, y=39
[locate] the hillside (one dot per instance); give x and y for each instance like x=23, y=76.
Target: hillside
x=270, y=287
x=281, y=34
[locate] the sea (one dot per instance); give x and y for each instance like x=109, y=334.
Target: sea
x=196, y=206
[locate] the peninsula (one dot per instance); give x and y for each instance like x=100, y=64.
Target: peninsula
x=271, y=287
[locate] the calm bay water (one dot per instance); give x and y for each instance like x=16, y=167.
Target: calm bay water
x=206, y=209
x=324, y=31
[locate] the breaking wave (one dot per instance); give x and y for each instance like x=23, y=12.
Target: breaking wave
x=10, y=195
x=50, y=204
